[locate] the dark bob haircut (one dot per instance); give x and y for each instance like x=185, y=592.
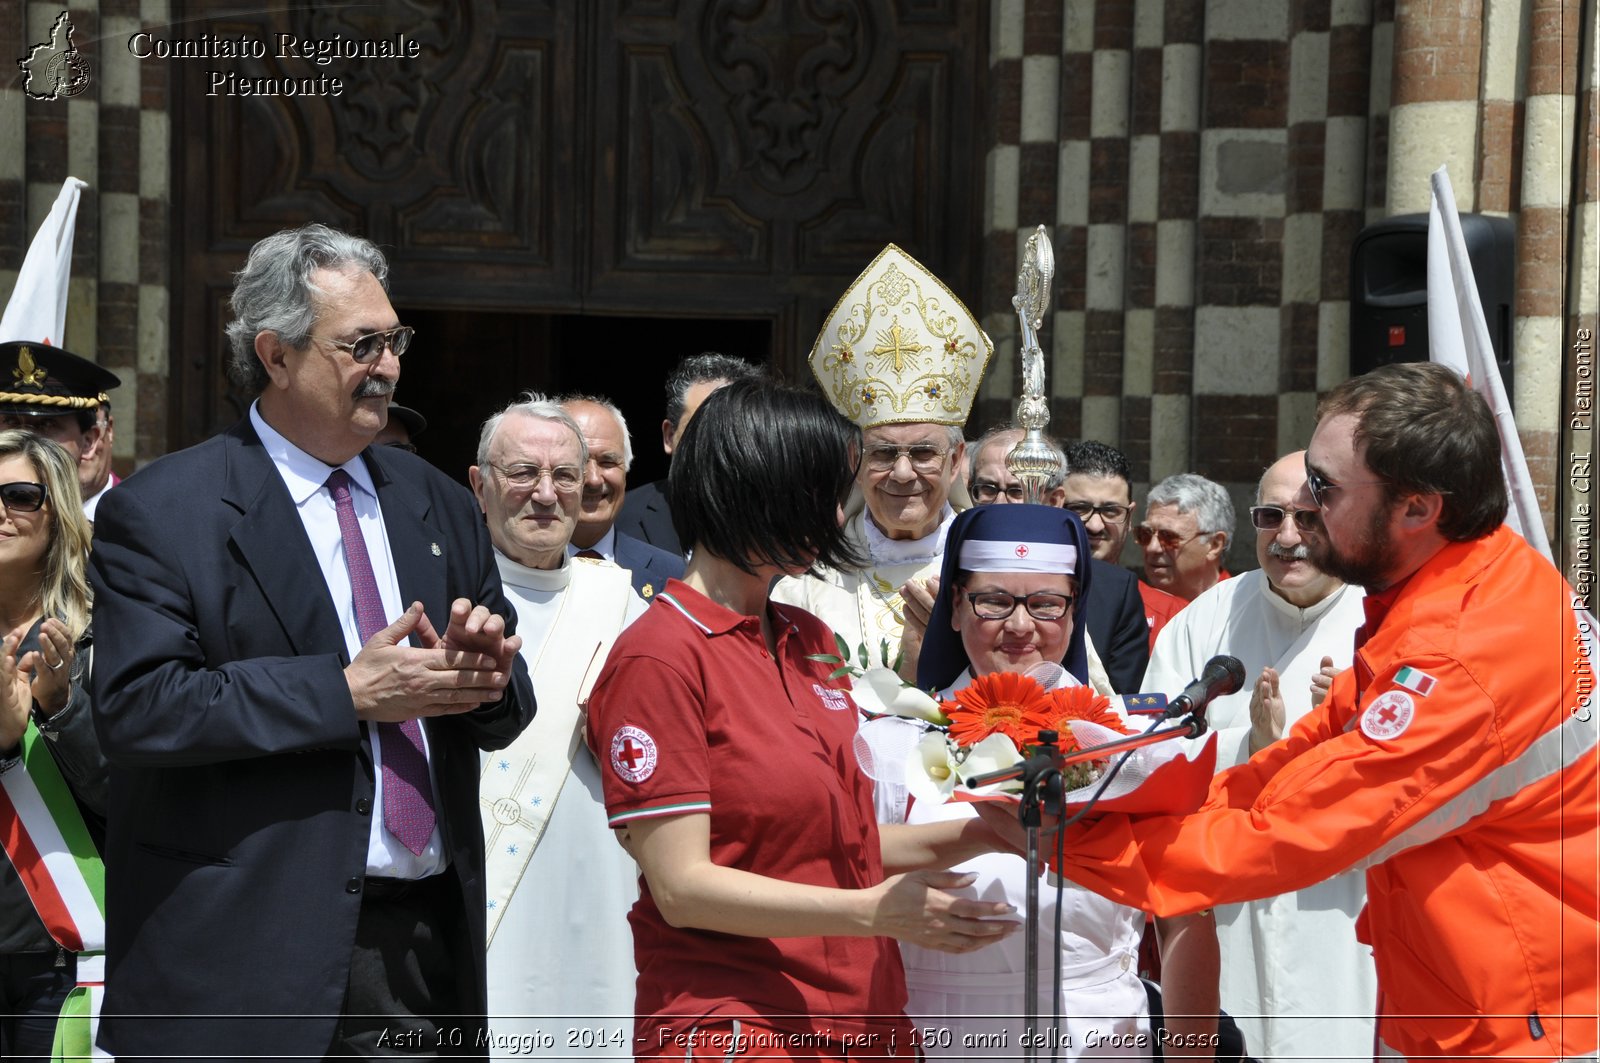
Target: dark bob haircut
x=759, y=476
x=1427, y=432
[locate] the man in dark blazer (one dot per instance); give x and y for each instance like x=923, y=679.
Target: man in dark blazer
x=283, y=879
x=605, y=488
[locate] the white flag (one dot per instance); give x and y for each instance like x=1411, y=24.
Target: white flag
x=1458, y=336
x=37, y=310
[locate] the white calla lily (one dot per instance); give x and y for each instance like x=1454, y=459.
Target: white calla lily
x=880, y=691
x=992, y=754
x=931, y=770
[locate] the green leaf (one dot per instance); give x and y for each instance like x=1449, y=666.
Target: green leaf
x=824, y=658
x=844, y=647
x=899, y=659
x=837, y=672
x=861, y=652
x=883, y=652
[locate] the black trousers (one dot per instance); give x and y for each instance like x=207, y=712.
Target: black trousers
x=409, y=974
x=33, y=986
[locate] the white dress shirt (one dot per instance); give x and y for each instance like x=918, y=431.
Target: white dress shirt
x=307, y=479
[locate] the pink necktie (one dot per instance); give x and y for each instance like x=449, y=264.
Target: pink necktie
x=407, y=793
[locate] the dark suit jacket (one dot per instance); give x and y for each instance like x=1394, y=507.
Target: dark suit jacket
x=651, y=567
x=241, y=780
x=1114, y=616
x=647, y=517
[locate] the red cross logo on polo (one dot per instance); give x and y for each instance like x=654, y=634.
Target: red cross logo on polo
x=1022, y=550
x=1388, y=716
x=633, y=754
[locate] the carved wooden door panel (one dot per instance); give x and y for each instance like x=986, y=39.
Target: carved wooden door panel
x=683, y=158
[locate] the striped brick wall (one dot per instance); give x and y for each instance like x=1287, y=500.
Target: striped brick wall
x=114, y=136
x=1211, y=168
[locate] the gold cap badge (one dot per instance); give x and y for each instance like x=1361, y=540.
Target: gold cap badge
x=900, y=348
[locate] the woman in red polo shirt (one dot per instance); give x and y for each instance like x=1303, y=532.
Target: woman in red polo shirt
x=770, y=896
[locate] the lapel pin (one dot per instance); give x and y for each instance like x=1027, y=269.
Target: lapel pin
x=647, y=590
x=436, y=551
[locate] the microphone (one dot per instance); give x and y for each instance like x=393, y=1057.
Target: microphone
x=1222, y=675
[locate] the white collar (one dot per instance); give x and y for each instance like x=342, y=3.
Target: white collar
x=887, y=551
x=516, y=574
x=303, y=474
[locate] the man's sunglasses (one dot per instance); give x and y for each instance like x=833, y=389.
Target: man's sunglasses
x=23, y=496
x=370, y=348
x=1270, y=518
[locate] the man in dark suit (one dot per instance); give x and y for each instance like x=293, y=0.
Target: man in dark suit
x=304, y=645
x=605, y=486
x=1113, y=612
x=646, y=515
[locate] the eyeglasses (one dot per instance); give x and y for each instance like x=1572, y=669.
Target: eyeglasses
x=23, y=496
x=370, y=348
x=1041, y=605
x=1170, y=540
x=566, y=479
x=1270, y=518
x=925, y=457
x=1108, y=512
x=1320, y=485
x=984, y=492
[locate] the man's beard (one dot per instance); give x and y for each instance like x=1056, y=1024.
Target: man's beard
x=1367, y=563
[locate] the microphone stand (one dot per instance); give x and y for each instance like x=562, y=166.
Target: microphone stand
x=1042, y=792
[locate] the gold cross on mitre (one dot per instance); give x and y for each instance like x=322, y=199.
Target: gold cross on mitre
x=896, y=341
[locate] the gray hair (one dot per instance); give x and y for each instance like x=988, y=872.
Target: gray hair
x=1056, y=479
x=1193, y=493
x=274, y=293
x=616, y=415
x=531, y=404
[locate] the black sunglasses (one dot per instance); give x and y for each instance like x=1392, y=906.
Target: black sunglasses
x=24, y=496
x=1270, y=518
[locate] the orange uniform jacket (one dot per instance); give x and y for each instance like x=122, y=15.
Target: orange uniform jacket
x=1466, y=787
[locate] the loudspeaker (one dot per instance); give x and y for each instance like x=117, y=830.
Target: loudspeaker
x=1389, y=289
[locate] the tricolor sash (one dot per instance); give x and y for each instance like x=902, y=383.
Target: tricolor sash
x=48, y=843
x=520, y=784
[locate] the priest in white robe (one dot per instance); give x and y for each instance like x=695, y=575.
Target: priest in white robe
x=1294, y=976
x=559, y=885
x=901, y=357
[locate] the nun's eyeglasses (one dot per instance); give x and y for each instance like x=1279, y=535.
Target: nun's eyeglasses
x=1041, y=605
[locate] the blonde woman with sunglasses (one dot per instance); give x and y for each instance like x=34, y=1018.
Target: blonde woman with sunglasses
x=51, y=769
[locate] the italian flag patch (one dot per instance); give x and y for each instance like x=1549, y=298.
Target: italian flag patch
x=1411, y=679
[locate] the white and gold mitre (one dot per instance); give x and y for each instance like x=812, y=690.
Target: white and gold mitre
x=900, y=348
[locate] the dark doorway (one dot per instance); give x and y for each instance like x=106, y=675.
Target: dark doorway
x=466, y=364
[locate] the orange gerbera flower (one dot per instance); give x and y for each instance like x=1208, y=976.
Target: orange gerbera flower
x=1072, y=703
x=1000, y=703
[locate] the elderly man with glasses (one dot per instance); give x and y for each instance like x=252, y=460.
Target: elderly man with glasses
x=901, y=358
x=1185, y=534
x=559, y=888
x=1292, y=970
x=304, y=645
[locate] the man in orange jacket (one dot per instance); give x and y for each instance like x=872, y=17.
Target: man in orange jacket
x=1455, y=761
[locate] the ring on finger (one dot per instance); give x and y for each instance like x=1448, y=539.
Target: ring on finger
x=55, y=667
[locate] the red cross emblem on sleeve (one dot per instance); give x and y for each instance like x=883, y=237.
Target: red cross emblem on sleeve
x=633, y=754
x=1022, y=549
x=1388, y=715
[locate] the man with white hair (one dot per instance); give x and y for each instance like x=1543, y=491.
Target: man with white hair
x=559, y=887
x=605, y=485
x=1185, y=534
x=1293, y=626
x=902, y=358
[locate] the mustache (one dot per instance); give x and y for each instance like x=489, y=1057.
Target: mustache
x=1292, y=553
x=373, y=387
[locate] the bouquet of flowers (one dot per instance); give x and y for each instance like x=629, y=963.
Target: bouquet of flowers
x=994, y=723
